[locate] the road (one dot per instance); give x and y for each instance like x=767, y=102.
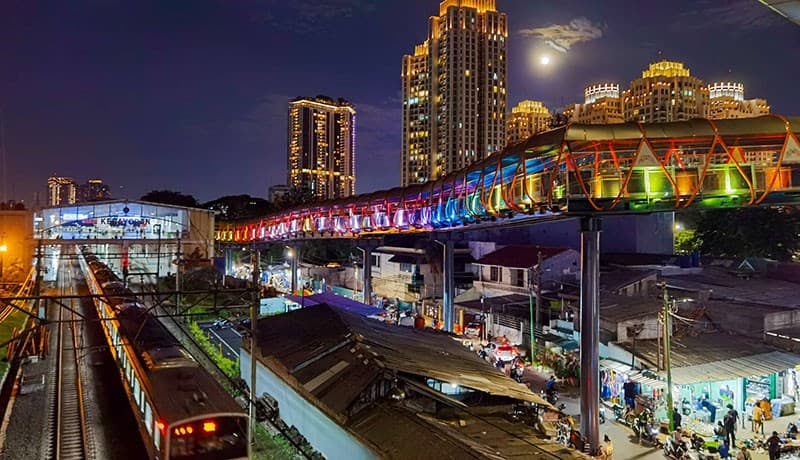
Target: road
x=228, y=338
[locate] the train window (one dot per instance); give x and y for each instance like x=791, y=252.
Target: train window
x=148, y=418
x=215, y=438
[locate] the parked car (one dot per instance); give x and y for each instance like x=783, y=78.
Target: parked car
x=473, y=329
x=221, y=323
x=504, y=352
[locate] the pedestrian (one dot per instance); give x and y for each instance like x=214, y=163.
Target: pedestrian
x=774, y=446
x=676, y=418
x=607, y=449
x=758, y=419
x=743, y=454
x=630, y=393
x=730, y=420
x=724, y=449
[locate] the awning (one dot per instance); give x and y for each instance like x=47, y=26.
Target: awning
x=747, y=366
x=634, y=374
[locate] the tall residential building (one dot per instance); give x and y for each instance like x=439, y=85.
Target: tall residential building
x=525, y=120
x=61, y=191
x=666, y=92
x=601, y=105
x=454, y=91
x=94, y=190
x=322, y=142
x=726, y=100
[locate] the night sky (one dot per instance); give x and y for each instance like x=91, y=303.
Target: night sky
x=192, y=95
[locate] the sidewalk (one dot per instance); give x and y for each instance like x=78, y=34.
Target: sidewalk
x=626, y=446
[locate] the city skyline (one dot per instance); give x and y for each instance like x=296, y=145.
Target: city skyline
x=204, y=86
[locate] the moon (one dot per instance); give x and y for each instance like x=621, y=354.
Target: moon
x=544, y=60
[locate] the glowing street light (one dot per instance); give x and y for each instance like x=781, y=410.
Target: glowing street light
x=3, y=249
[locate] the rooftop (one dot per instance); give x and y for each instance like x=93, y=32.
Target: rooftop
x=518, y=256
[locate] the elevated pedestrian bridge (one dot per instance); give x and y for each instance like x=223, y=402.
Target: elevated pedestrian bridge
x=574, y=170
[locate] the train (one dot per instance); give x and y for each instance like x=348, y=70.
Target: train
x=183, y=412
x=575, y=169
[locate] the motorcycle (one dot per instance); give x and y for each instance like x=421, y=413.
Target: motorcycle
x=644, y=430
x=676, y=450
x=601, y=416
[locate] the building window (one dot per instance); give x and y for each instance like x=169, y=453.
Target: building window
x=405, y=268
x=496, y=274
x=376, y=261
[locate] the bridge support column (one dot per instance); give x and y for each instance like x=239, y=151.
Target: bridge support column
x=294, y=256
x=367, y=264
x=590, y=329
x=448, y=285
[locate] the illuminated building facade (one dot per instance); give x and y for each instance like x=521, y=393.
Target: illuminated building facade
x=525, y=120
x=61, y=191
x=454, y=91
x=93, y=190
x=322, y=140
x=601, y=105
x=666, y=92
x=727, y=101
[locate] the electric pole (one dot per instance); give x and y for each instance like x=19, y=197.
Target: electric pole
x=667, y=364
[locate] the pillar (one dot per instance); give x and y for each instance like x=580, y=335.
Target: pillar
x=367, y=252
x=590, y=329
x=294, y=259
x=228, y=258
x=449, y=285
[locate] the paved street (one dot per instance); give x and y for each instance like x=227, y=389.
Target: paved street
x=228, y=337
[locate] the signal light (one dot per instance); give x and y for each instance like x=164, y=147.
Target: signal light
x=161, y=426
x=209, y=427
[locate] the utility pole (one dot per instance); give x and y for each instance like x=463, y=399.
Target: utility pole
x=530, y=297
x=539, y=292
x=256, y=256
x=37, y=287
x=178, y=277
x=667, y=364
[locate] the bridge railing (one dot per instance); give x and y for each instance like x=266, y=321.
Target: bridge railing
x=576, y=169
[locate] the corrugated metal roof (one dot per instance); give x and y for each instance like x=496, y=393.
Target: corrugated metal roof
x=760, y=364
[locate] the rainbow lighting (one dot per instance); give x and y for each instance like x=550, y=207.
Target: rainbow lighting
x=576, y=169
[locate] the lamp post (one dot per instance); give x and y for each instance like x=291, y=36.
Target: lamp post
x=157, y=228
x=3, y=249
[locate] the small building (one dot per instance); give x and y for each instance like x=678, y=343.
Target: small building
x=357, y=388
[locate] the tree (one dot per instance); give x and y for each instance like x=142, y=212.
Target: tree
x=171, y=197
x=297, y=196
x=749, y=232
x=235, y=207
x=558, y=119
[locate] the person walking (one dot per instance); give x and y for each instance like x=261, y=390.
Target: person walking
x=774, y=446
x=758, y=419
x=730, y=420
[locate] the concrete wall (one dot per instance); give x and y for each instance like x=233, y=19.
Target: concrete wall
x=330, y=439
x=783, y=319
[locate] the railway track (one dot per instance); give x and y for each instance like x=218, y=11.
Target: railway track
x=69, y=440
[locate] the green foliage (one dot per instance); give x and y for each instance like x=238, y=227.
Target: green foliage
x=170, y=197
x=749, y=232
x=228, y=366
x=687, y=242
x=271, y=447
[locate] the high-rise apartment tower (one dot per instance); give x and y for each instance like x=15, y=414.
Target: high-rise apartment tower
x=322, y=141
x=454, y=91
x=666, y=92
x=61, y=191
x=526, y=119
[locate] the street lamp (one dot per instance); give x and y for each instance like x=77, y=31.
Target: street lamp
x=3, y=249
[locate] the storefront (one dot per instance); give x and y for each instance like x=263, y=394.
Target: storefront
x=703, y=392
x=614, y=375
